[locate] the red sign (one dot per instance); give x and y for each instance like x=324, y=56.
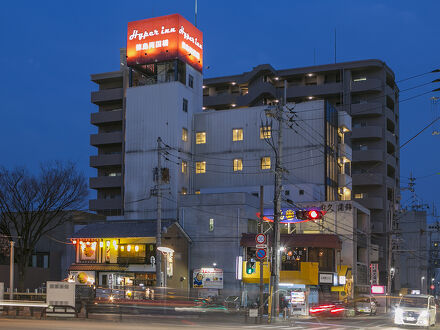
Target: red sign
x=260, y=239
x=261, y=253
x=164, y=38
x=377, y=289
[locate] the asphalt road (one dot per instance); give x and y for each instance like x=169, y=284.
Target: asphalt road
x=110, y=322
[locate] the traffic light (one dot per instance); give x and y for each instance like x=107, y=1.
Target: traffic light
x=309, y=214
x=250, y=266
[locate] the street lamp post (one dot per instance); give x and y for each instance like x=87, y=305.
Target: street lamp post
x=421, y=284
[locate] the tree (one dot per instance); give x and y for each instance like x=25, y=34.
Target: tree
x=31, y=205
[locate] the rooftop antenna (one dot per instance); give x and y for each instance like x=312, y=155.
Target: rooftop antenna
x=195, y=18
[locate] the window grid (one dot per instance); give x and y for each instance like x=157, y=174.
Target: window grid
x=185, y=105
x=200, y=137
x=237, y=134
x=238, y=164
x=265, y=132
x=211, y=224
x=184, y=134
x=265, y=163
x=200, y=167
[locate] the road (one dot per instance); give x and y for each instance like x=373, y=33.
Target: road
x=109, y=322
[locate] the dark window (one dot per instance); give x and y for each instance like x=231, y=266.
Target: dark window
x=190, y=81
x=301, y=192
x=185, y=105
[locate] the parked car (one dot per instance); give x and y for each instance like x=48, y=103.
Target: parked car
x=336, y=309
x=367, y=305
x=416, y=310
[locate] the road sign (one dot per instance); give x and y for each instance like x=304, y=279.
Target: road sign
x=261, y=246
x=261, y=254
x=260, y=238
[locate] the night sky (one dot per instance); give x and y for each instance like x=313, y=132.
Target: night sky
x=50, y=48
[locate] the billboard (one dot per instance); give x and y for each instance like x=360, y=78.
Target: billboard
x=164, y=38
x=208, y=278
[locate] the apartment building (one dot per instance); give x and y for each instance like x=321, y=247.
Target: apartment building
x=367, y=91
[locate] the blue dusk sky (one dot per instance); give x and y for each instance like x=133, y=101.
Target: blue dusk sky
x=50, y=48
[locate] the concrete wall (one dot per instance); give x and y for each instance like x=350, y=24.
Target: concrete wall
x=231, y=213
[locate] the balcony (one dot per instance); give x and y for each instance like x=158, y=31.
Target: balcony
x=225, y=99
x=105, y=138
x=372, y=203
x=106, y=117
x=344, y=121
x=371, y=84
x=313, y=90
x=106, y=160
x=369, y=132
x=345, y=151
x=105, y=204
x=390, y=136
x=366, y=109
x=390, y=114
x=107, y=96
x=134, y=260
x=105, y=182
x=391, y=160
x=368, y=156
x=367, y=179
x=344, y=180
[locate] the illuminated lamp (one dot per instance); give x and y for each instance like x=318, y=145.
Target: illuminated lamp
x=314, y=215
x=122, y=247
x=128, y=248
x=136, y=248
x=101, y=244
x=107, y=243
x=114, y=242
x=74, y=241
x=233, y=105
x=233, y=83
x=88, y=243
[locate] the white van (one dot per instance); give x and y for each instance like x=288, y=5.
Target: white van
x=416, y=309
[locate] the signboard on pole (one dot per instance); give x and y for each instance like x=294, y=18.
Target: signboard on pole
x=374, y=274
x=260, y=239
x=261, y=254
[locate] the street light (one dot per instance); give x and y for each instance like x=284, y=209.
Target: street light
x=165, y=250
x=421, y=284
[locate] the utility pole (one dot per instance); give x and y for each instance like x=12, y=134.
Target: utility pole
x=276, y=264
x=11, y=271
x=159, y=214
x=261, y=230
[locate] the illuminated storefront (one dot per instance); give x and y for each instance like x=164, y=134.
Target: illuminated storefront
x=122, y=253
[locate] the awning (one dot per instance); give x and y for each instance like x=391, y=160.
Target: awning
x=98, y=267
x=299, y=240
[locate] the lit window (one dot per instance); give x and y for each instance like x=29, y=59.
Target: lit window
x=237, y=134
x=184, y=134
x=265, y=132
x=184, y=191
x=359, y=196
x=265, y=163
x=200, y=137
x=184, y=166
x=200, y=167
x=197, y=192
x=360, y=79
x=238, y=164
x=211, y=224
x=185, y=105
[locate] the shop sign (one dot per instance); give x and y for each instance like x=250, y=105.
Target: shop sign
x=208, y=278
x=326, y=278
x=164, y=38
x=342, y=280
x=374, y=274
x=377, y=289
x=297, y=297
x=82, y=277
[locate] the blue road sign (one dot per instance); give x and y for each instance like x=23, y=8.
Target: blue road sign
x=261, y=253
